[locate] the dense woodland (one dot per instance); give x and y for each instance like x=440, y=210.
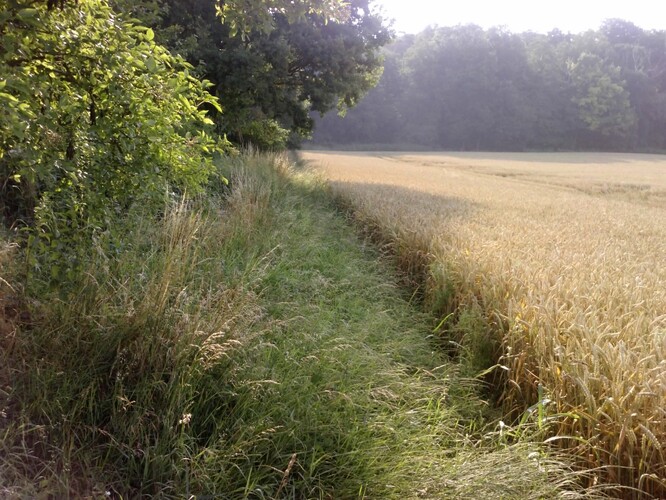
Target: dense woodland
x=270, y=76
x=466, y=88
x=106, y=104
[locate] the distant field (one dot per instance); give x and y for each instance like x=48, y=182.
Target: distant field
x=639, y=177
x=556, y=262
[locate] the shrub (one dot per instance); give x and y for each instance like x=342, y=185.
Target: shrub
x=97, y=117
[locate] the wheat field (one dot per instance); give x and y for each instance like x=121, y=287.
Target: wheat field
x=561, y=258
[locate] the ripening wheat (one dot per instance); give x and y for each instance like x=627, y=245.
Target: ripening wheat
x=564, y=256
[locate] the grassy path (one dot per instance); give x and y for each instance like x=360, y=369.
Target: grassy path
x=355, y=399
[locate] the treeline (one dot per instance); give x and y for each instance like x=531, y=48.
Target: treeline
x=466, y=88
x=111, y=104
x=274, y=63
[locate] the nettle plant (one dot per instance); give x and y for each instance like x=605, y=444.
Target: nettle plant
x=96, y=118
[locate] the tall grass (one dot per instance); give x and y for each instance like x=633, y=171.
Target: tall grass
x=101, y=385
x=558, y=283
x=245, y=346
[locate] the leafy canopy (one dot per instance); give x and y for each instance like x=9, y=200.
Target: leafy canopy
x=273, y=61
x=467, y=88
x=245, y=16
x=96, y=117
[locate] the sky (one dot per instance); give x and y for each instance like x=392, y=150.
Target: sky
x=412, y=16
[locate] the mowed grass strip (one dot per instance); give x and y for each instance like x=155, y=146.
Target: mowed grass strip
x=553, y=266
x=246, y=347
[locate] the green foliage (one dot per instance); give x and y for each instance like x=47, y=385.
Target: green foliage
x=266, y=135
x=465, y=88
x=97, y=117
x=277, y=64
x=602, y=100
x=245, y=16
x=108, y=376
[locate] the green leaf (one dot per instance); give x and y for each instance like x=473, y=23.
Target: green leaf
x=184, y=101
x=27, y=14
x=216, y=104
x=55, y=271
x=150, y=34
x=21, y=86
x=9, y=97
x=151, y=64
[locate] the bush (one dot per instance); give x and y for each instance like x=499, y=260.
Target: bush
x=265, y=134
x=97, y=117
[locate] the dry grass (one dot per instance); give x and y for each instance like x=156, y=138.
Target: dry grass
x=563, y=259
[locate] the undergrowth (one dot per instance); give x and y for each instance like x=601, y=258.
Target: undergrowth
x=245, y=345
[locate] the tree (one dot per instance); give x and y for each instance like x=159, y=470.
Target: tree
x=246, y=16
x=271, y=71
x=97, y=117
x=640, y=55
x=603, y=102
x=378, y=117
x=468, y=88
